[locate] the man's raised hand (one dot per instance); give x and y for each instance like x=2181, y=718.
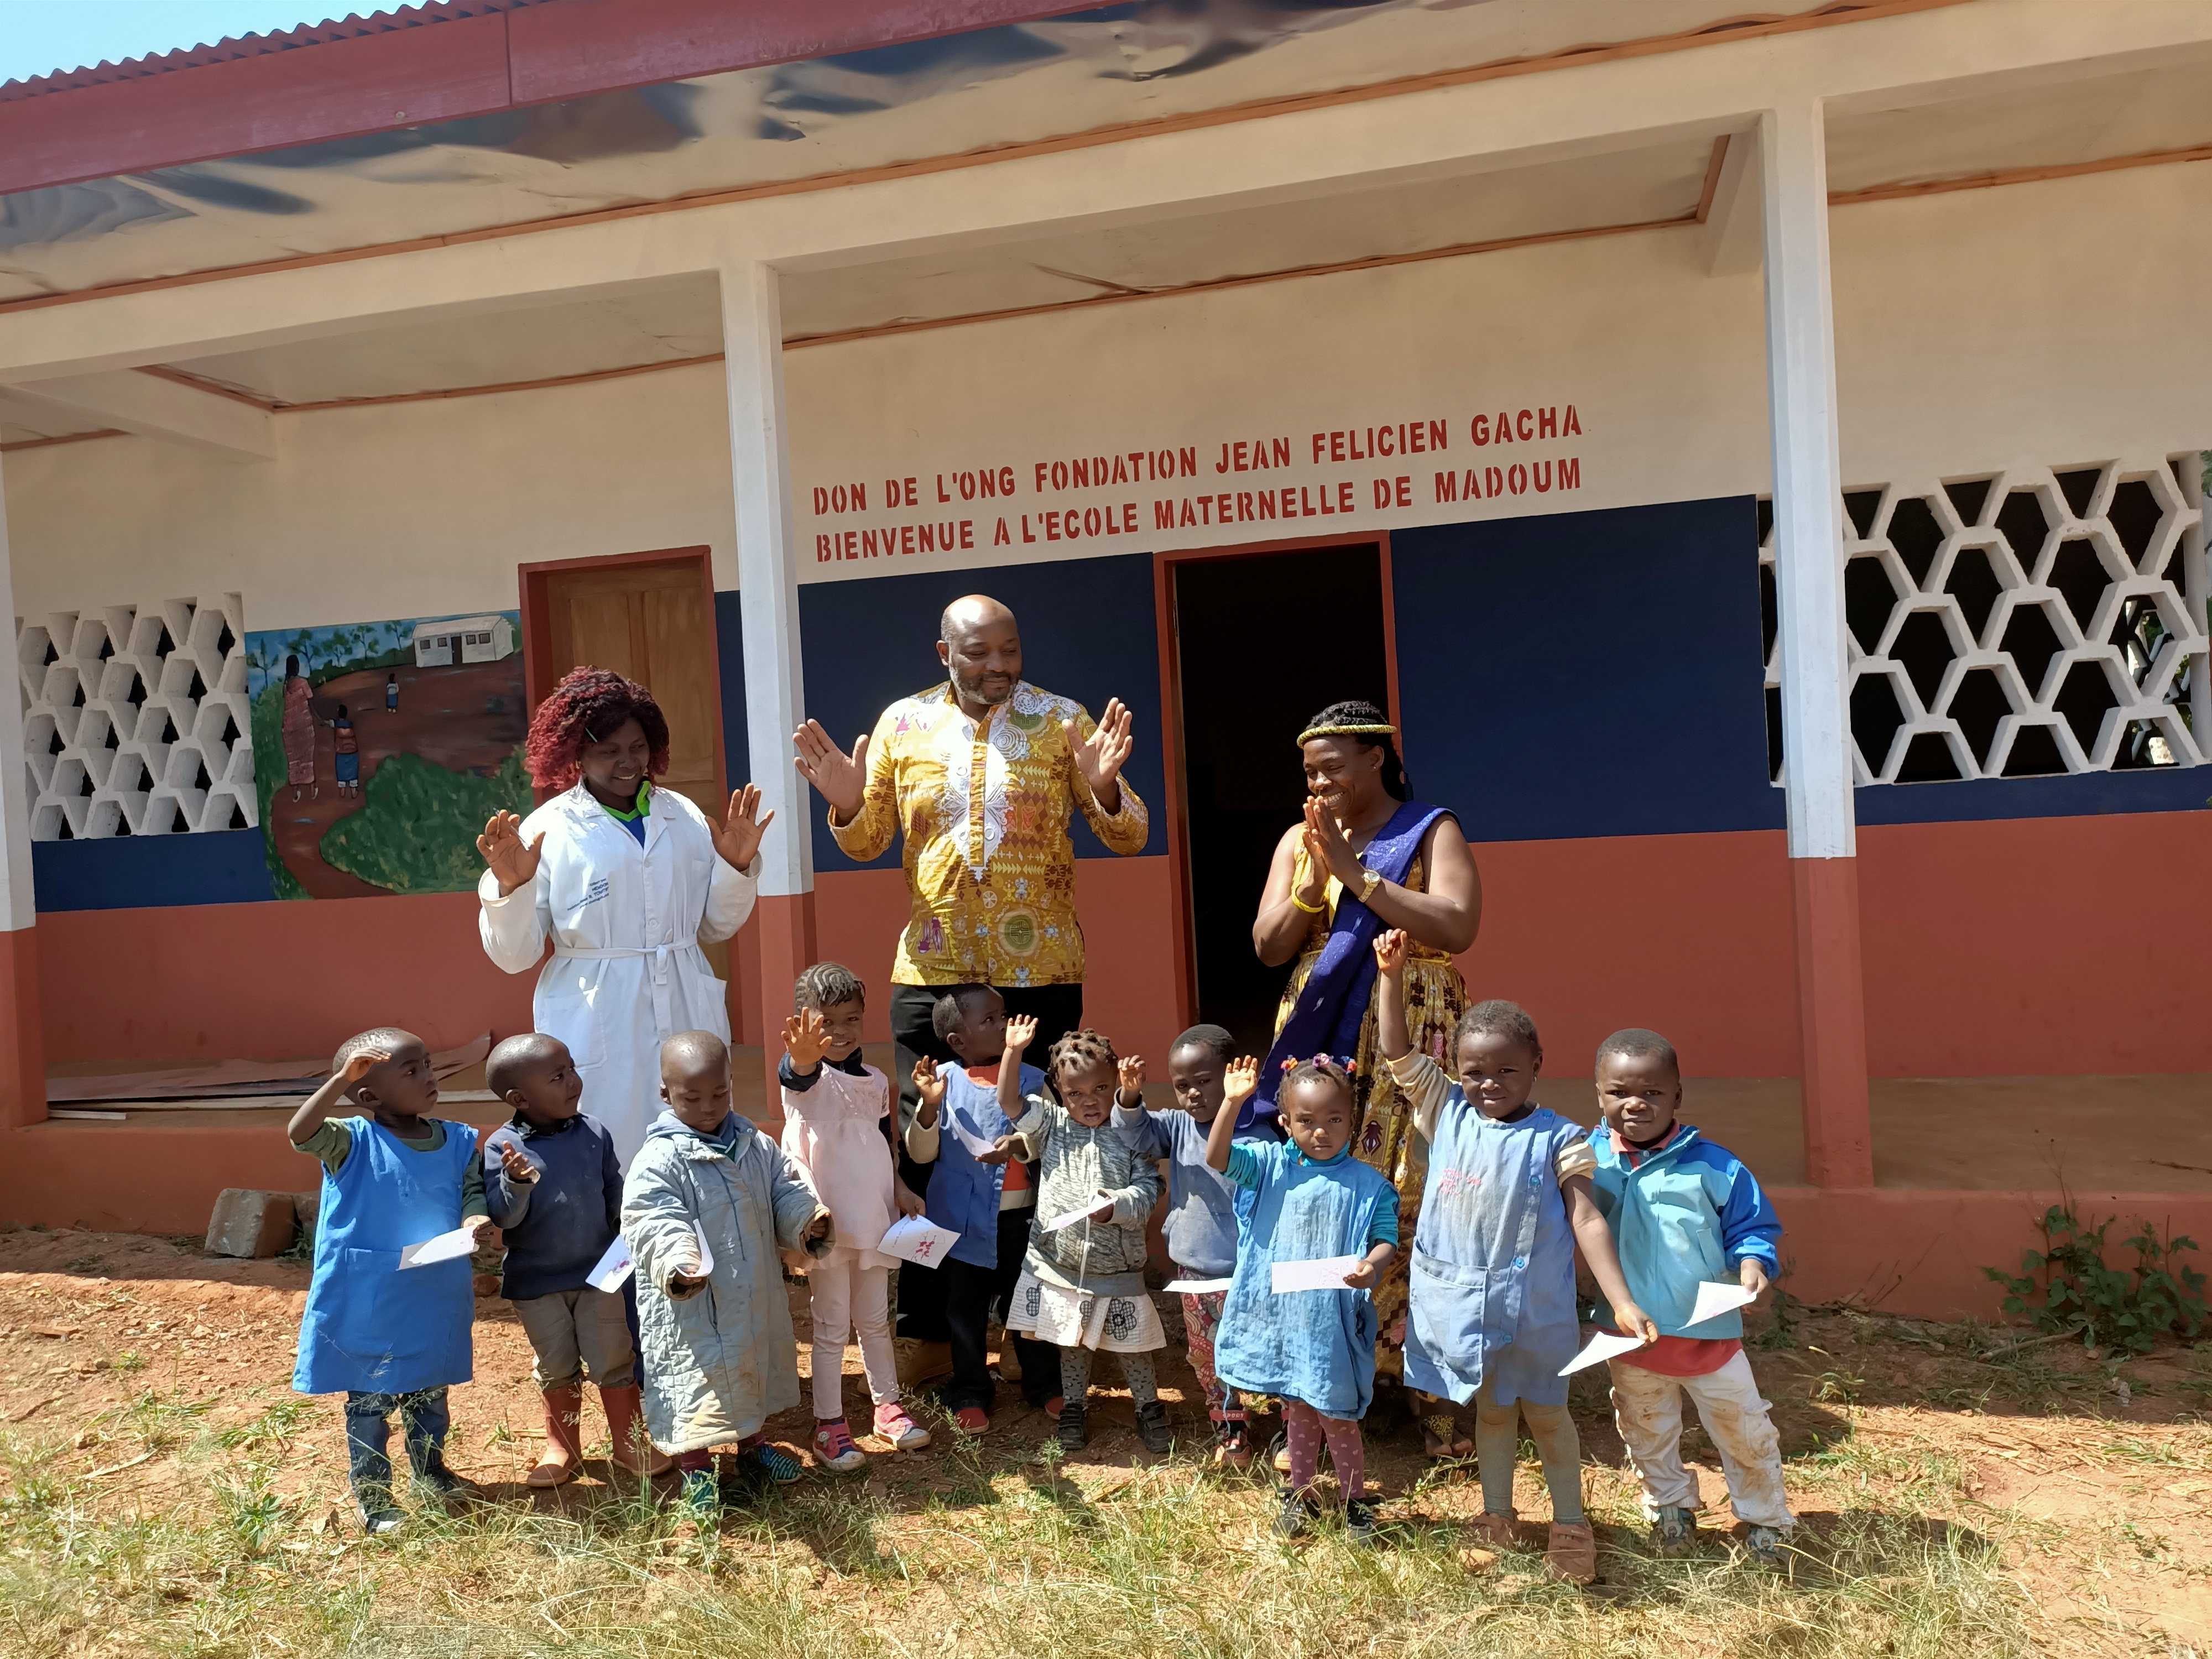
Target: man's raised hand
x=738, y=837
x=1099, y=757
x=505, y=855
x=840, y=779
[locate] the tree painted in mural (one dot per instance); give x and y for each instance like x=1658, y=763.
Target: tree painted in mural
x=380, y=747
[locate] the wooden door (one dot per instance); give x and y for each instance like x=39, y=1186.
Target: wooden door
x=653, y=622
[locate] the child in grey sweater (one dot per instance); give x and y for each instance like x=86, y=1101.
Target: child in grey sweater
x=1082, y=1286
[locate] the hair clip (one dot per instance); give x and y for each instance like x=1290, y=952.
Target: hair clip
x=1290, y=1065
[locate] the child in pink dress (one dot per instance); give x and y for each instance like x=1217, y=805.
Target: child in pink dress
x=835, y=1129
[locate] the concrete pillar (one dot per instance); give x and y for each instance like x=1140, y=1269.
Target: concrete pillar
x=768, y=593
x=1809, y=570
x=22, y=1048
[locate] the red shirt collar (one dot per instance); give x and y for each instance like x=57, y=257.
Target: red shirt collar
x=1626, y=1148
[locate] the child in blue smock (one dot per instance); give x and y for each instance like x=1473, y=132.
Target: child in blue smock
x=1314, y=1349
x=1490, y=1317
x=389, y=1338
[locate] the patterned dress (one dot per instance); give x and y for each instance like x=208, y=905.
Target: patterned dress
x=1435, y=997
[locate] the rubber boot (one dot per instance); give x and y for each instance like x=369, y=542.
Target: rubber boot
x=564, y=1445
x=625, y=1427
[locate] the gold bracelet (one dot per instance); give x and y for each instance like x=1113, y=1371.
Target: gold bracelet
x=1367, y=887
x=1310, y=909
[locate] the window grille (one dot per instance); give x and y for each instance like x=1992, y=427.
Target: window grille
x=2037, y=621
x=136, y=721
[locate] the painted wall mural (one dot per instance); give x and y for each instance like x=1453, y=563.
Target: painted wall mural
x=380, y=747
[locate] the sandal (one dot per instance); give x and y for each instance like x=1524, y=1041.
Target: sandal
x=1441, y=1440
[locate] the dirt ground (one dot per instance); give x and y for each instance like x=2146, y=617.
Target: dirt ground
x=2092, y=1478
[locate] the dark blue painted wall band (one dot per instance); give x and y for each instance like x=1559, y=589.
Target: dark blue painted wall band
x=130, y=873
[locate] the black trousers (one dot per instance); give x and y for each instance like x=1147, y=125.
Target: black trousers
x=1058, y=1010
x=972, y=1296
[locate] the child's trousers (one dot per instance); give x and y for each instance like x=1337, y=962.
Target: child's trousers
x=845, y=1295
x=972, y=1294
x=1201, y=1314
x=1647, y=1407
x=574, y=1332
x=422, y=1425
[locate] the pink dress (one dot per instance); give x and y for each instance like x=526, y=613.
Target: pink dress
x=833, y=1132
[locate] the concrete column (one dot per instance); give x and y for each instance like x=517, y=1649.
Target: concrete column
x=768, y=591
x=1816, y=738
x=23, y=1048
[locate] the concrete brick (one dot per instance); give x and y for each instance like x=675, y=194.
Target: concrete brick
x=250, y=1223
x=308, y=1206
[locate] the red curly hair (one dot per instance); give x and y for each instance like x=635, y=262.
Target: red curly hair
x=587, y=706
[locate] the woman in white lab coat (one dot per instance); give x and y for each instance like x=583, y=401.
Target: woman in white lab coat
x=624, y=880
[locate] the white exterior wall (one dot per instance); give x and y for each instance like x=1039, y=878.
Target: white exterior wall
x=2060, y=322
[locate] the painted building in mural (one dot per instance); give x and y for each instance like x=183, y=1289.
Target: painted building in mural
x=1758, y=462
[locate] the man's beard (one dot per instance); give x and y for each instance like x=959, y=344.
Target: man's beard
x=972, y=691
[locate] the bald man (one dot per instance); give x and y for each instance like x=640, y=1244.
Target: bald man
x=980, y=774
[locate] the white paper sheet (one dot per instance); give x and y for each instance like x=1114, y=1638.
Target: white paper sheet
x=1196, y=1287
x=1068, y=1220
x=1716, y=1299
x=445, y=1246
x=613, y=1271
x=706, y=1251
x=977, y=1146
x=918, y=1239
x=1326, y=1275
x=1604, y=1346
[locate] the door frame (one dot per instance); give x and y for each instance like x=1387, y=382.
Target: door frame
x=1178, y=816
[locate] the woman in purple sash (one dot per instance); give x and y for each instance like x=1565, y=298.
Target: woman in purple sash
x=1363, y=859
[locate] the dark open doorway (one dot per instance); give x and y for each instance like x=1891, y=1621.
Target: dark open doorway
x=1262, y=640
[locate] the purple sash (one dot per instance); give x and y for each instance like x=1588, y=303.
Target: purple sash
x=1333, y=1005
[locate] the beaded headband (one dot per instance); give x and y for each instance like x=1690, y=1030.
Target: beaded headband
x=1375, y=731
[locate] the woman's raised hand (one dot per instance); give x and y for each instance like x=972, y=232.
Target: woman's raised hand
x=840, y=779
x=1326, y=846
x=1099, y=757
x=505, y=855
x=738, y=837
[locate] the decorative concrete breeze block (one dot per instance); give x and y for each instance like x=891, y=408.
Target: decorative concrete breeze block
x=250, y=1223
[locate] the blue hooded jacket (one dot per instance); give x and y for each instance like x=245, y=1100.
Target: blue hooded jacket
x=1686, y=1212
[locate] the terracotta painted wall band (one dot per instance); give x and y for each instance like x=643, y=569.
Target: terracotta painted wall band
x=1831, y=1017
x=23, y=1042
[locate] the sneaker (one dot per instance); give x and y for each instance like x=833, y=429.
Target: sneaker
x=378, y=1517
x=442, y=1484
x=971, y=1419
x=698, y=1502
x=833, y=1448
x=1232, y=1446
x=779, y=1465
x=1074, y=1433
x=1570, y=1553
x=1767, y=1546
x=1358, y=1521
x=892, y=1424
x=1296, y=1515
x=1152, y=1426
x=1674, y=1530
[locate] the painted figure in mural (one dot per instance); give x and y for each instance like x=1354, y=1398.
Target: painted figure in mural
x=299, y=732
x=624, y=880
x=1363, y=859
x=345, y=753
x=980, y=774
x=392, y=694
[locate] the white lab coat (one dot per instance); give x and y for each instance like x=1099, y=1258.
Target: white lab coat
x=625, y=922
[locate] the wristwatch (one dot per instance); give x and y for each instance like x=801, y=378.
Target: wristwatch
x=1367, y=887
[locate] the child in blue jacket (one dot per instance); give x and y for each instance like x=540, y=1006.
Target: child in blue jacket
x=1686, y=1212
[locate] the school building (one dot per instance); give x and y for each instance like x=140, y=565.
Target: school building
x=1758, y=458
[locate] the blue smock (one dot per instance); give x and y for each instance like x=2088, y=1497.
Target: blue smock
x=1492, y=1292
x=1318, y=1346
x=370, y=1328
x=963, y=1195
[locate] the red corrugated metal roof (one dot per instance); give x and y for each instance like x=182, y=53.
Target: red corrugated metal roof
x=351, y=27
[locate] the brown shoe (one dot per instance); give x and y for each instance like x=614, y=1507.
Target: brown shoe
x=1495, y=1531
x=564, y=1449
x=632, y=1450
x=1570, y=1554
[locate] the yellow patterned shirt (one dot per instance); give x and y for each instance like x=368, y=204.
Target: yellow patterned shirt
x=989, y=869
